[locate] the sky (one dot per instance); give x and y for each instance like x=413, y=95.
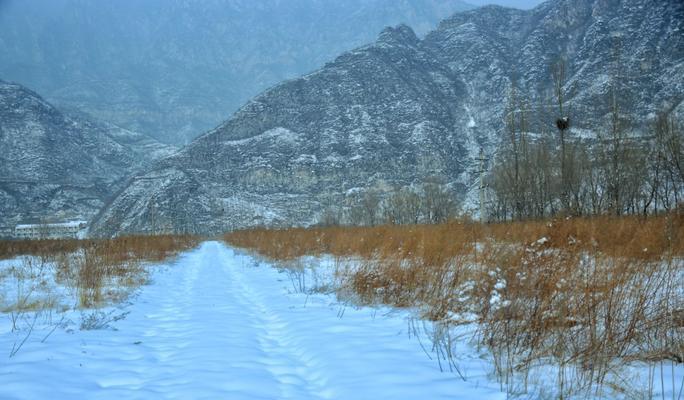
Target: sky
x=524, y=4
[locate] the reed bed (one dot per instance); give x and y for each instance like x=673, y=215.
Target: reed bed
x=582, y=296
x=97, y=269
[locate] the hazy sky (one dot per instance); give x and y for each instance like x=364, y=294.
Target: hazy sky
x=524, y=4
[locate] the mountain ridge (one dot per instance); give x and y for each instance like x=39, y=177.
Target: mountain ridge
x=57, y=166
x=399, y=111
x=175, y=68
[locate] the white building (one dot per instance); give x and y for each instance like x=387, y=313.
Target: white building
x=64, y=230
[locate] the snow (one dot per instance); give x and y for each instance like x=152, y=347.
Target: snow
x=220, y=324
x=305, y=159
x=279, y=133
x=541, y=241
x=68, y=224
x=471, y=121
x=581, y=133
x=420, y=132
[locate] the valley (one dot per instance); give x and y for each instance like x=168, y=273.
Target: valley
x=358, y=199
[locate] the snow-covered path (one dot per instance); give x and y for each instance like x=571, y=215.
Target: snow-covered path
x=216, y=324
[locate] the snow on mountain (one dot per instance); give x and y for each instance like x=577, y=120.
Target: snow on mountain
x=174, y=68
x=403, y=108
x=57, y=167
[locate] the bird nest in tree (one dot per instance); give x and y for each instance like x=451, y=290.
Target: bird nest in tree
x=563, y=123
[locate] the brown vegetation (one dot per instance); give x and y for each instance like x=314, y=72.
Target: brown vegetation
x=92, y=265
x=150, y=248
x=611, y=236
x=584, y=294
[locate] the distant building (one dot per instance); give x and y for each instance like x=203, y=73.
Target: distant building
x=64, y=230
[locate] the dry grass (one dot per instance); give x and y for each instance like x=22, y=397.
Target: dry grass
x=611, y=236
x=585, y=295
x=150, y=248
x=97, y=269
x=45, y=278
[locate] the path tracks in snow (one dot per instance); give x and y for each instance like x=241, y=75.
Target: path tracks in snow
x=220, y=324
x=298, y=371
x=216, y=307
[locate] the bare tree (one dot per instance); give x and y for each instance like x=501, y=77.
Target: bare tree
x=438, y=204
x=619, y=173
x=330, y=216
x=669, y=142
x=516, y=124
x=402, y=207
x=558, y=74
x=365, y=208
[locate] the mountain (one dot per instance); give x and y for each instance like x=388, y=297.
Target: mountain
x=57, y=167
x=638, y=41
x=403, y=108
x=175, y=68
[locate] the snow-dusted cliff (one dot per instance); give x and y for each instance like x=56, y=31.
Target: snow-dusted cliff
x=57, y=167
x=401, y=109
x=173, y=69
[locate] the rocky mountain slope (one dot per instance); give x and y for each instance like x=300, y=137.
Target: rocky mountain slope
x=56, y=167
x=175, y=68
x=401, y=109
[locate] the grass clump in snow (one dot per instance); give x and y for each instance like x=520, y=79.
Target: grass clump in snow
x=99, y=271
x=584, y=299
x=44, y=279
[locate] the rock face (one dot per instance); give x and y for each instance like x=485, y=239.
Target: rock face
x=173, y=69
x=401, y=109
x=56, y=167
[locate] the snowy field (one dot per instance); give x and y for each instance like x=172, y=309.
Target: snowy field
x=219, y=324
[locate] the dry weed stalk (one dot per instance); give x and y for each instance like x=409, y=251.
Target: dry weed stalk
x=587, y=295
x=88, y=265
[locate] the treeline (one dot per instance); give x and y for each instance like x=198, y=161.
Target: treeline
x=429, y=203
x=546, y=174
x=545, y=166
x=614, y=173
